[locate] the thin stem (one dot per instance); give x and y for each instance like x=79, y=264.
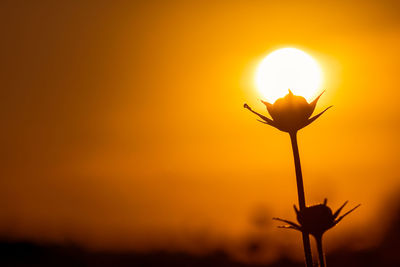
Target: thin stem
x=300, y=193
x=321, y=255
x=299, y=175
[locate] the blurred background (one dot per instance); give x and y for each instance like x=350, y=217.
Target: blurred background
x=124, y=140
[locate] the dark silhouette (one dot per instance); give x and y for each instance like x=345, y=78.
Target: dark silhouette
x=290, y=114
x=301, y=195
x=316, y=220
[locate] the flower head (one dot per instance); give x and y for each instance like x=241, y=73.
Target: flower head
x=316, y=220
x=290, y=113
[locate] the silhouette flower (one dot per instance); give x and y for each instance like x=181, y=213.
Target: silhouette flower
x=290, y=113
x=317, y=219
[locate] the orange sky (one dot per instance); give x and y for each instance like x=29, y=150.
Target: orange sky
x=123, y=126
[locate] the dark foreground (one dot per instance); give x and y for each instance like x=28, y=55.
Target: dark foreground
x=18, y=254
x=27, y=254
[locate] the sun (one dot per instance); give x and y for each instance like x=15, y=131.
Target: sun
x=288, y=68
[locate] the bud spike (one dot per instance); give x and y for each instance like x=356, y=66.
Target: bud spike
x=296, y=210
x=289, y=227
x=314, y=102
x=265, y=119
x=339, y=210
x=267, y=104
x=347, y=213
x=316, y=117
x=288, y=222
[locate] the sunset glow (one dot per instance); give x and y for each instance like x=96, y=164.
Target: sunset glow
x=288, y=68
x=126, y=140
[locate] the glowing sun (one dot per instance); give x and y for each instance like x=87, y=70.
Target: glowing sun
x=288, y=68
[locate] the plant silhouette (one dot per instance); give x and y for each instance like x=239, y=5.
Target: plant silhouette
x=316, y=220
x=290, y=114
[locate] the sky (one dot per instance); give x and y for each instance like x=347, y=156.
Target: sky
x=123, y=124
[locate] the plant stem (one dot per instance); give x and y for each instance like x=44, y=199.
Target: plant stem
x=321, y=255
x=300, y=193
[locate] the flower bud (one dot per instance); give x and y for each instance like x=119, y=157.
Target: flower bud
x=290, y=113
